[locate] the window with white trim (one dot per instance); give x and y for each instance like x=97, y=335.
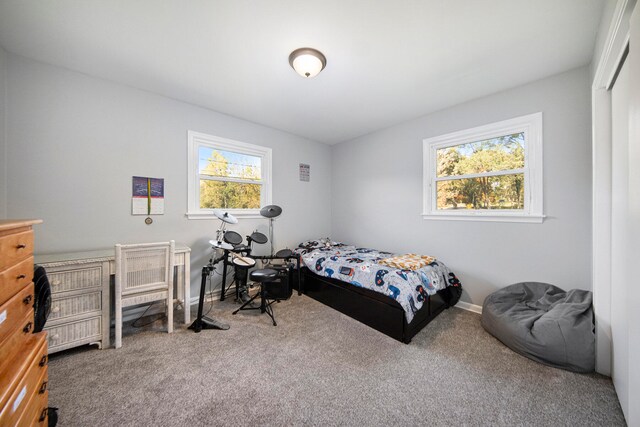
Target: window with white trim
x=229, y=175
x=488, y=173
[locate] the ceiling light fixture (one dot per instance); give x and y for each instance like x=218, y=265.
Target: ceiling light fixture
x=307, y=62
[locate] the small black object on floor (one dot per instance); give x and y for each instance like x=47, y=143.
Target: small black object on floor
x=52, y=416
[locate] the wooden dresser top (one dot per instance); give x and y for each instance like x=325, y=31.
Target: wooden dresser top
x=8, y=224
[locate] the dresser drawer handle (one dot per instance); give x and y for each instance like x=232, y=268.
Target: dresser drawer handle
x=27, y=328
x=20, y=277
x=21, y=246
x=43, y=361
x=55, y=337
x=43, y=415
x=55, y=282
x=27, y=299
x=55, y=309
x=43, y=388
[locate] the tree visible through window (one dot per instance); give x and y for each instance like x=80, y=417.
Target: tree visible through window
x=229, y=180
x=489, y=173
x=227, y=174
x=486, y=174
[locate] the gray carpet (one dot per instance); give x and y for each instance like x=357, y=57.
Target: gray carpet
x=319, y=367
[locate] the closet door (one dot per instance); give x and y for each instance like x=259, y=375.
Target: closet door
x=620, y=224
x=633, y=287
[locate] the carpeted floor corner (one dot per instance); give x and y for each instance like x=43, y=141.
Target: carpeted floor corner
x=318, y=368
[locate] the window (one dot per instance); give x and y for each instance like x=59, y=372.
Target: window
x=226, y=174
x=488, y=173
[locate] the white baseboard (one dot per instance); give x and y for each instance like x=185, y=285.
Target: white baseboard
x=215, y=296
x=135, y=312
x=469, y=307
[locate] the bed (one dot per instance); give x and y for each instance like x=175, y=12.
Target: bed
x=378, y=288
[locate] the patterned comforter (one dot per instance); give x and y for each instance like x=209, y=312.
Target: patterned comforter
x=359, y=266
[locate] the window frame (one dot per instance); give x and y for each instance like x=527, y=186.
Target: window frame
x=197, y=140
x=531, y=126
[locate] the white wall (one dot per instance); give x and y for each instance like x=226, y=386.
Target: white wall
x=608, y=11
x=74, y=142
x=83, y=138
x=377, y=192
x=3, y=156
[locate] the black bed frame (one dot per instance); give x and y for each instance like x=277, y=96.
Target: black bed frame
x=369, y=307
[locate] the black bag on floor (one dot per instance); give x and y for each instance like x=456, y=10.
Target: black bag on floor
x=42, y=293
x=52, y=414
x=451, y=294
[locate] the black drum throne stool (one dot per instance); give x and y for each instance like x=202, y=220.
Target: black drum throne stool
x=275, y=286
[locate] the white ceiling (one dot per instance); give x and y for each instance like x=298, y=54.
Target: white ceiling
x=387, y=60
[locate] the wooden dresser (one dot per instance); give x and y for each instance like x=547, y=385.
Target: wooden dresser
x=23, y=354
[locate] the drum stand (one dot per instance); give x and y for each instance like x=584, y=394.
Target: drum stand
x=265, y=307
x=203, y=322
x=251, y=307
x=271, y=212
x=222, y=243
x=225, y=262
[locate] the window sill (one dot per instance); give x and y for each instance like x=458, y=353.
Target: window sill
x=250, y=214
x=497, y=217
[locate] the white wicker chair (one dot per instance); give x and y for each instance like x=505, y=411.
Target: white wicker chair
x=144, y=273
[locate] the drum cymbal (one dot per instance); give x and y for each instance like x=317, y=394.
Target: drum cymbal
x=226, y=217
x=271, y=211
x=220, y=245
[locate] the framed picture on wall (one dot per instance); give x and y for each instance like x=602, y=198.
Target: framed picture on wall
x=147, y=196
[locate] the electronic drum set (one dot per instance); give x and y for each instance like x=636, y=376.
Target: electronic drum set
x=238, y=255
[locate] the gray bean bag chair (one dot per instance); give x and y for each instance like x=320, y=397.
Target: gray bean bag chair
x=544, y=323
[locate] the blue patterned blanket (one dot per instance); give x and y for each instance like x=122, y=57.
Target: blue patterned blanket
x=359, y=267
